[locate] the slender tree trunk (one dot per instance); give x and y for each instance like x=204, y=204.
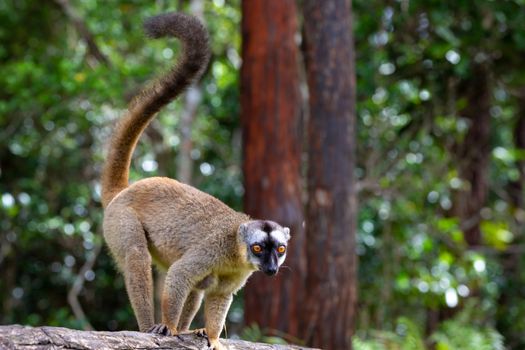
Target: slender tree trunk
x=516, y=187
x=271, y=110
x=83, y=31
x=331, y=209
x=473, y=154
x=192, y=99
x=512, y=259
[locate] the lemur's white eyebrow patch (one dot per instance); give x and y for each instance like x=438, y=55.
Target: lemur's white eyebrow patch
x=278, y=236
x=258, y=236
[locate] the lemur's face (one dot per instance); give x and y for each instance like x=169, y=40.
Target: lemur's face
x=266, y=242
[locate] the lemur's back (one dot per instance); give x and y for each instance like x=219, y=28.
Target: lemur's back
x=185, y=218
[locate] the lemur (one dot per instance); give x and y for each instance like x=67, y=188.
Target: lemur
x=208, y=249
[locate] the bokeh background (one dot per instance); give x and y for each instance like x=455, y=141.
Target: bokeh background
x=440, y=163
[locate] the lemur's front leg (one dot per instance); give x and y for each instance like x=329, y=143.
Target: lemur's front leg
x=180, y=280
x=191, y=306
x=215, y=310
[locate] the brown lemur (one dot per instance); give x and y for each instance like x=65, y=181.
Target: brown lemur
x=208, y=249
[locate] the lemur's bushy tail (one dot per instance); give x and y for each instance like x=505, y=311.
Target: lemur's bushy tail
x=143, y=108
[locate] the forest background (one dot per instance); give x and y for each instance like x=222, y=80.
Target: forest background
x=439, y=168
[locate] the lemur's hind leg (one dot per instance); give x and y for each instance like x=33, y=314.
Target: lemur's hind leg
x=139, y=285
x=126, y=239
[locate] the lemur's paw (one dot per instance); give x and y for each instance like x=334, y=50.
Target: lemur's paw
x=215, y=344
x=159, y=328
x=200, y=332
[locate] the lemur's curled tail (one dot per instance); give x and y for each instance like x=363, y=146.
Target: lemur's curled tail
x=142, y=110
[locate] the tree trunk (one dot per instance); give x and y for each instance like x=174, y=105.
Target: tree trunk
x=473, y=154
x=507, y=320
x=192, y=99
x=331, y=209
x=516, y=187
x=271, y=111
x=20, y=337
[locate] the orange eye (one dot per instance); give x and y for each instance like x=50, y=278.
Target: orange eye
x=281, y=249
x=256, y=248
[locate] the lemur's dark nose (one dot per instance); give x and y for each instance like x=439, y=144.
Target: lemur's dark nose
x=270, y=271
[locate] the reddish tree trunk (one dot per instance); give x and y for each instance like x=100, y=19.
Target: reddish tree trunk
x=474, y=154
x=331, y=208
x=271, y=109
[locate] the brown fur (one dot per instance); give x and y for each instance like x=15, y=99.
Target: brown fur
x=193, y=235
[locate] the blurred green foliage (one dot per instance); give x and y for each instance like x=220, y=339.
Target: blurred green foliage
x=453, y=334
x=58, y=103
x=254, y=333
x=410, y=56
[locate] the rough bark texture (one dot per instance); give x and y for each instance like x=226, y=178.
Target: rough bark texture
x=271, y=111
x=473, y=154
x=331, y=207
x=20, y=337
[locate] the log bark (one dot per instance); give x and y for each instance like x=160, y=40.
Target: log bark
x=37, y=338
x=272, y=138
x=331, y=207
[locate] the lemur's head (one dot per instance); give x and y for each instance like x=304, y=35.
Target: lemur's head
x=266, y=242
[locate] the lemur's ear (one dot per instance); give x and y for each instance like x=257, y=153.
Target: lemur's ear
x=286, y=233
x=243, y=230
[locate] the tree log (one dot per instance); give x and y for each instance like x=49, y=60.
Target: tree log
x=24, y=337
